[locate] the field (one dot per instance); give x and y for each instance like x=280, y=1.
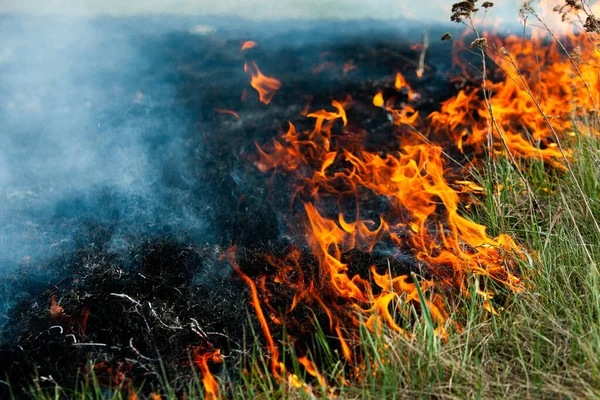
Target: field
x=432, y=232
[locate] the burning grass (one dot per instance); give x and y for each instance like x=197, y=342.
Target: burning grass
x=385, y=286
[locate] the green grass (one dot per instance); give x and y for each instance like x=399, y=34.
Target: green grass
x=544, y=344
x=546, y=341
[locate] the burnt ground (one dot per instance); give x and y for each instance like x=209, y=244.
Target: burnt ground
x=112, y=278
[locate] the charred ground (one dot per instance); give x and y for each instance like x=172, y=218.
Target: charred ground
x=128, y=283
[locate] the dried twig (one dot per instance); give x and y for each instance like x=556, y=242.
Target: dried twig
x=155, y=315
x=124, y=296
x=72, y=337
x=136, y=351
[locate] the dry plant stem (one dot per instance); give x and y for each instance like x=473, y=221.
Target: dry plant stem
x=591, y=40
x=494, y=123
x=527, y=90
x=432, y=144
x=576, y=225
x=588, y=11
x=573, y=63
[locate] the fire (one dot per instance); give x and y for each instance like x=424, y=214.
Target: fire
x=248, y=45
x=540, y=95
x=272, y=348
x=230, y=112
x=402, y=202
x=323, y=66
x=211, y=386
x=402, y=83
x=312, y=369
x=264, y=85
x=422, y=219
x=77, y=322
x=378, y=100
x=56, y=310
x=115, y=377
x=349, y=66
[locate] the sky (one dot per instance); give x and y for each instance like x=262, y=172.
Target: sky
x=258, y=9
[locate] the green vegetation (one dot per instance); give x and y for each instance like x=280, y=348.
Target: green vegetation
x=544, y=342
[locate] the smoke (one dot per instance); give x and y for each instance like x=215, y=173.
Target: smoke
x=96, y=130
x=427, y=10
x=103, y=120
x=102, y=123
x=91, y=136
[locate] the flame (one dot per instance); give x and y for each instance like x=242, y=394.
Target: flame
x=77, y=322
x=323, y=66
x=230, y=112
x=535, y=103
x=255, y=301
x=402, y=201
x=401, y=82
x=211, y=386
x=248, y=45
x=265, y=85
x=422, y=219
x=56, y=310
x=115, y=377
x=312, y=369
x=347, y=67
x=378, y=100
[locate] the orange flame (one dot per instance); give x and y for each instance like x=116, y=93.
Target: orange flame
x=378, y=100
x=423, y=218
x=266, y=86
x=248, y=45
x=55, y=309
x=323, y=66
x=524, y=106
x=402, y=83
x=271, y=347
x=230, y=112
x=541, y=93
x=312, y=369
x=211, y=386
x=77, y=322
x=347, y=67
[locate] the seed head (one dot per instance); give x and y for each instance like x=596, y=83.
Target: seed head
x=592, y=24
x=462, y=10
x=480, y=43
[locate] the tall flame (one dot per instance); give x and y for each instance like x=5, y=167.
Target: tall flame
x=211, y=387
x=422, y=219
x=543, y=91
x=403, y=202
